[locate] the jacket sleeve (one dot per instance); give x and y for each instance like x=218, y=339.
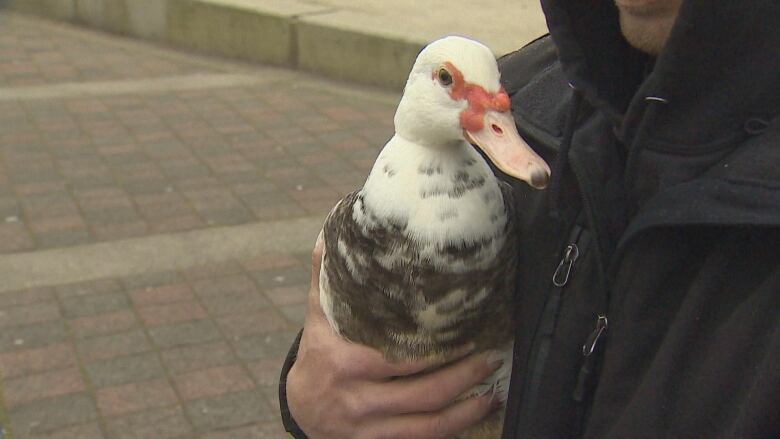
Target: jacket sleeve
x=289, y=423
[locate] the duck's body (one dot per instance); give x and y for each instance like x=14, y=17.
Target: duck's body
x=422, y=260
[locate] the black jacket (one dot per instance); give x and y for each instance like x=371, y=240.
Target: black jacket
x=668, y=184
x=649, y=289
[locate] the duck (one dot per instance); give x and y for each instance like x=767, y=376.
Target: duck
x=422, y=259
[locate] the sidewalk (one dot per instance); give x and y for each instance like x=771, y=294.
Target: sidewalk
x=157, y=212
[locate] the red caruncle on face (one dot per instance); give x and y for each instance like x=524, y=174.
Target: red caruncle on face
x=479, y=100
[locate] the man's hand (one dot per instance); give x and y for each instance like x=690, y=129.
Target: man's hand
x=341, y=390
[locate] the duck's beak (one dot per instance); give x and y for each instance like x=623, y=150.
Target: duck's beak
x=500, y=140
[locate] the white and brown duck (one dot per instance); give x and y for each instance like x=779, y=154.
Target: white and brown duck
x=422, y=259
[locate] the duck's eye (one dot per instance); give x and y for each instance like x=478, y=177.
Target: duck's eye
x=444, y=77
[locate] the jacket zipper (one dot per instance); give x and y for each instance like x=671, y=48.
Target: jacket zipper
x=546, y=327
x=591, y=347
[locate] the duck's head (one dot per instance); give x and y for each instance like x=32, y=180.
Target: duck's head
x=454, y=94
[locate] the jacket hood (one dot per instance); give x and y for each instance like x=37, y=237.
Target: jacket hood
x=715, y=88
x=720, y=67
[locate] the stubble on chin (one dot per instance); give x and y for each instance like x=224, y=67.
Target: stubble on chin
x=647, y=25
x=647, y=37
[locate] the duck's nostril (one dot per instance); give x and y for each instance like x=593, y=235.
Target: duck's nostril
x=497, y=129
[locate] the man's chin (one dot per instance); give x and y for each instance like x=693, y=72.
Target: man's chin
x=648, y=34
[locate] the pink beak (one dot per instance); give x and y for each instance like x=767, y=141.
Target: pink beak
x=501, y=142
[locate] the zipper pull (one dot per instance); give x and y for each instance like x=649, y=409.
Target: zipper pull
x=595, y=336
x=561, y=275
x=591, y=343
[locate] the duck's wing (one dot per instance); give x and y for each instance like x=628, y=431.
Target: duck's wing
x=331, y=281
x=361, y=296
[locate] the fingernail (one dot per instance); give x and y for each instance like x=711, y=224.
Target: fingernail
x=494, y=360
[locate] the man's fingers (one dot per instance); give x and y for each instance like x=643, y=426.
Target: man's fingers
x=446, y=423
x=382, y=368
x=433, y=391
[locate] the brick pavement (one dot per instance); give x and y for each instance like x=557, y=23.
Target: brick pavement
x=158, y=355
x=81, y=170
x=187, y=353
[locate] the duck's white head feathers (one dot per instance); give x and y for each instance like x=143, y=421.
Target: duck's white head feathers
x=428, y=114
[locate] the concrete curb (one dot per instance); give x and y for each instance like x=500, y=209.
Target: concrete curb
x=340, y=44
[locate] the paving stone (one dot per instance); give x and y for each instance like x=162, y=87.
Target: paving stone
x=268, y=262
x=110, y=216
x=295, y=314
x=64, y=238
x=266, y=371
x=234, y=302
x=124, y=370
x=183, y=334
x=163, y=294
x=150, y=280
x=110, y=346
x=26, y=297
x=275, y=278
x=14, y=237
x=212, y=382
x=294, y=295
x=47, y=415
x=103, y=324
x=278, y=212
x=236, y=326
x=88, y=288
x=56, y=224
x=23, y=390
x=226, y=217
x=260, y=346
x=120, y=231
x=29, y=314
x=52, y=210
x=171, y=313
x=201, y=356
x=29, y=361
x=134, y=397
x=32, y=336
x=155, y=423
x=212, y=270
x=178, y=224
x=92, y=304
x=270, y=430
x=236, y=284
x=90, y=430
x=230, y=410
